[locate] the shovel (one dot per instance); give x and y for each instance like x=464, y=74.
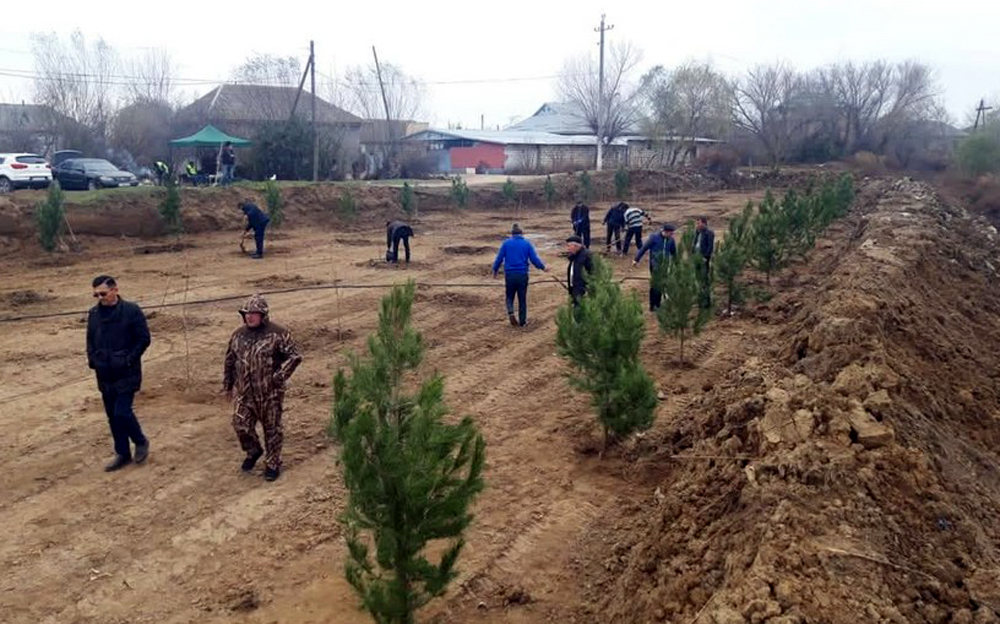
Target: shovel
x=243, y=242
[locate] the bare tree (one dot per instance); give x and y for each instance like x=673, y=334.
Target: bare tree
x=151, y=77
x=764, y=105
x=360, y=93
x=277, y=78
x=579, y=85
x=688, y=102
x=77, y=81
x=143, y=129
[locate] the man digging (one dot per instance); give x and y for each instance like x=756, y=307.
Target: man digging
x=260, y=359
x=396, y=232
x=256, y=221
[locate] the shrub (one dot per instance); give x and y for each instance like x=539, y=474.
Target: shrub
x=720, y=162
x=410, y=476
x=407, y=199
x=170, y=209
x=459, y=192
x=601, y=340
x=621, y=183
x=869, y=163
x=550, y=190
x=275, y=203
x=51, y=217
x=979, y=155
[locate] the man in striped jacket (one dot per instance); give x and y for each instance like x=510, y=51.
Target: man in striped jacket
x=633, y=224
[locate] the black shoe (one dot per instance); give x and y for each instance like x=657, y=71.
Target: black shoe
x=271, y=474
x=141, y=452
x=119, y=462
x=256, y=256
x=251, y=461
x=512, y=319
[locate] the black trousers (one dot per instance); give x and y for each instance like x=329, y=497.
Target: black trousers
x=124, y=425
x=517, y=286
x=616, y=232
x=258, y=238
x=406, y=248
x=655, y=299
x=583, y=231
x=633, y=232
x=705, y=282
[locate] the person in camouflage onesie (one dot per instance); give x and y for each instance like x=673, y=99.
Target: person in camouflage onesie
x=260, y=359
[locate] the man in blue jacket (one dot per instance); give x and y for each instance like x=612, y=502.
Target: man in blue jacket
x=117, y=336
x=661, y=248
x=256, y=221
x=514, y=255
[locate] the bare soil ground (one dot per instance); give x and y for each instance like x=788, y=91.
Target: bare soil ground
x=831, y=455
x=187, y=537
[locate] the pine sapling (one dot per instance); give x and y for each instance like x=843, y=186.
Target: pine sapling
x=585, y=192
x=621, y=183
x=459, y=192
x=51, y=217
x=509, y=191
x=347, y=205
x=170, y=209
x=275, y=203
x=410, y=476
x=680, y=314
x=600, y=339
x=768, y=248
x=407, y=199
x=550, y=190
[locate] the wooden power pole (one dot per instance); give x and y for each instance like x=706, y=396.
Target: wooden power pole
x=312, y=67
x=600, y=98
x=981, y=113
x=388, y=117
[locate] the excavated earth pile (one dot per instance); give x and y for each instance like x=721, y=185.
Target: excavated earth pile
x=857, y=458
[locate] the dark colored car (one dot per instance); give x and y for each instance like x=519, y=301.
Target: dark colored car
x=91, y=174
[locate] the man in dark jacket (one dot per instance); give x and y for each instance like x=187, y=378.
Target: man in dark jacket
x=117, y=336
x=228, y=160
x=704, y=245
x=396, y=231
x=580, y=265
x=614, y=219
x=661, y=248
x=580, y=216
x=514, y=255
x=256, y=221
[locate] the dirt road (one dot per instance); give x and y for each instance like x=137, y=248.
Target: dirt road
x=188, y=538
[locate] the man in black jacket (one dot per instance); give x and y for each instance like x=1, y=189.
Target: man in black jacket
x=396, y=231
x=256, y=221
x=704, y=245
x=580, y=264
x=117, y=336
x=580, y=216
x=615, y=220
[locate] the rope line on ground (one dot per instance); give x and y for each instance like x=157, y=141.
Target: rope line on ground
x=280, y=291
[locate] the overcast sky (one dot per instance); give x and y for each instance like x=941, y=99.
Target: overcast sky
x=500, y=57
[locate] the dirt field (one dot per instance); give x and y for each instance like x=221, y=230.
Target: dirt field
x=187, y=537
x=829, y=456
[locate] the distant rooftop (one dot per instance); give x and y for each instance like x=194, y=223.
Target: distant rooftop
x=507, y=137
x=243, y=102
x=560, y=118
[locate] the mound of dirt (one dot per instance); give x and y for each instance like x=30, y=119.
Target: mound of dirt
x=283, y=281
x=174, y=321
x=20, y=298
x=157, y=249
x=848, y=473
x=355, y=242
x=467, y=250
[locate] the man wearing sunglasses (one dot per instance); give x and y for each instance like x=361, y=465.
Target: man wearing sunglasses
x=117, y=336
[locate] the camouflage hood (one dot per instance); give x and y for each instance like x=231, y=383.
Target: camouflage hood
x=256, y=303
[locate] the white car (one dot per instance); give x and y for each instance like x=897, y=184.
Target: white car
x=23, y=170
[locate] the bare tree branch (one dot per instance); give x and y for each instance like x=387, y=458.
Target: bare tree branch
x=579, y=85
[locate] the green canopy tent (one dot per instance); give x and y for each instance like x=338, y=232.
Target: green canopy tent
x=209, y=136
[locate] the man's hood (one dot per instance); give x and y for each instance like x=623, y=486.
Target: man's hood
x=256, y=303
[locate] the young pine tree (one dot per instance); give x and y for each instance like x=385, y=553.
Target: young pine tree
x=730, y=257
x=585, y=192
x=410, y=476
x=459, y=192
x=621, y=183
x=768, y=242
x=601, y=340
x=170, y=209
x=680, y=314
x=550, y=190
x=407, y=199
x=50, y=217
x=275, y=203
x=509, y=191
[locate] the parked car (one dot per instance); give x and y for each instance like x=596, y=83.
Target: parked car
x=23, y=171
x=91, y=174
x=62, y=155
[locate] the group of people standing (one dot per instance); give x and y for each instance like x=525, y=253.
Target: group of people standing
x=259, y=359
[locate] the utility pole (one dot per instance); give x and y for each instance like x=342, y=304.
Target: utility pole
x=388, y=117
x=600, y=98
x=312, y=66
x=981, y=113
